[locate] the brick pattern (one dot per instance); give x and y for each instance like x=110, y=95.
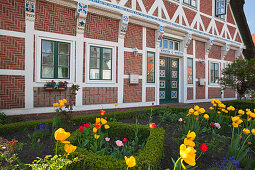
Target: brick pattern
x=147, y=4
x=134, y=37
x=206, y=21
x=99, y=95
x=12, y=14
x=150, y=94
x=133, y=64
x=229, y=93
x=12, y=54
x=150, y=38
x=190, y=48
x=170, y=7
x=230, y=18
x=43, y=98
x=101, y=28
x=51, y=17
x=132, y=92
x=214, y=92
x=190, y=93
x=200, y=70
x=200, y=91
x=12, y=91
x=232, y=30
x=206, y=7
x=219, y=26
x=230, y=55
x=215, y=52
x=200, y=49
x=238, y=38
x=189, y=14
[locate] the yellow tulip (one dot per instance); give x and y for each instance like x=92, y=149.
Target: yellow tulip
x=191, y=135
x=241, y=112
x=211, y=108
x=214, y=105
x=219, y=112
x=188, y=154
x=103, y=121
x=196, y=113
x=218, y=102
x=252, y=115
x=69, y=148
x=55, y=104
x=98, y=120
x=61, y=104
x=116, y=104
x=202, y=110
x=106, y=126
x=189, y=142
x=64, y=100
x=206, y=116
x=191, y=110
x=131, y=162
x=253, y=131
x=96, y=136
x=95, y=130
x=196, y=108
x=213, y=100
x=61, y=135
x=246, y=131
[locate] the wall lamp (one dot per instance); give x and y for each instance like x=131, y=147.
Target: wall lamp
x=135, y=51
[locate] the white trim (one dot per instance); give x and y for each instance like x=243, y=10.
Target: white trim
x=12, y=72
x=209, y=100
x=121, y=61
x=144, y=66
x=12, y=33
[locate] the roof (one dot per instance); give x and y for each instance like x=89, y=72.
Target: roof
x=253, y=38
x=237, y=8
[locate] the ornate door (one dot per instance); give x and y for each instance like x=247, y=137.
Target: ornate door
x=169, y=80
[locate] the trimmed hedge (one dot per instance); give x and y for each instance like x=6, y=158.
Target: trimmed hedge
x=241, y=104
x=150, y=156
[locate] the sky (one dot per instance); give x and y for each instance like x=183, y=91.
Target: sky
x=250, y=14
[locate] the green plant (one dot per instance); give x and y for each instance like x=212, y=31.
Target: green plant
x=241, y=104
x=3, y=118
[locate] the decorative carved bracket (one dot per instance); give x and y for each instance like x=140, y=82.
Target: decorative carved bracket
x=238, y=53
x=187, y=40
x=208, y=46
x=224, y=51
x=82, y=11
x=30, y=9
x=159, y=34
x=123, y=26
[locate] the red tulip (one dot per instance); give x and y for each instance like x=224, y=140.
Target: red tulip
x=87, y=125
x=249, y=143
x=212, y=125
x=125, y=140
x=203, y=147
x=81, y=128
x=152, y=125
x=102, y=112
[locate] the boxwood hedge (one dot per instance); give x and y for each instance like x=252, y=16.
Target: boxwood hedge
x=149, y=156
x=241, y=104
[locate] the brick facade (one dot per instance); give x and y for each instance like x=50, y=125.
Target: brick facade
x=150, y=94
x=190, y=14
x=190, y=48
x=200, y=49
x=133, y=64
x=12, y=91
x=150, y=38
x=12, y=14
x=230, y=55
x=214, y=92
x=43, y=98
x=132, y=92
x=51, y=17
x=229, y=93
x=190, y=93
x=200, y=91
x=206, y=7
x=170, y=7
x=99, y=95
x=215, y=52
x=206, y=21
x=134, y=37
x=230, y=18
x=200, y=70
x=12, y=54
x=101, y=28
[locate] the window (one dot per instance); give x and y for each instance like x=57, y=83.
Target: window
x=100, y=65
x=190, y=70
x=150, y=67
x=220, y=8
x=170, y=44
x=192, y=3
x=215, y=73
x=55, y=60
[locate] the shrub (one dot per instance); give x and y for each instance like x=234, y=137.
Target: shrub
x=240, y=104
x=150, y=156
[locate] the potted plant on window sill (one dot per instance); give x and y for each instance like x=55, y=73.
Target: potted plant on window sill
x=52, y=85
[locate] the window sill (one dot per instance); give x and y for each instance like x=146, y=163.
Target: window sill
x=189, y=6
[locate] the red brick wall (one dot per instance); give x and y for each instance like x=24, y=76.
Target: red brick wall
x=206, y=7
x=230, y=55
x=99, y=95
x=190, y=93
x=12, y=14
x=229, y=93
x=170, y=7
x=206, y=21
x=133, y=64
x=232, y=30
x=190, y=15
x=102, y=28
x=215, y=52
x=150, y=38
x=55, y=18
x=12, y=92
x=150, y=94
x=148, y=4
x=200, y=49
x=214, y=92
x=132, y=92
x=12, y=54
x=219, y=26
x=200, y=91
x=230, y=17
x=134, y=37
x=200, y=70
x=43, y=98
x=190, y=48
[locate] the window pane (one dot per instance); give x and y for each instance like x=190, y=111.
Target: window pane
x=160, y=43
x=94, y=57
x=107, y=74
x=94, y=74
x=186, y=1
x=176, y=46
x=171, y=45
x=63, y=48
x=194, y=3
x=212, y=72
x=63, y=72
x=47, y=46
x=190, y=71
x=165, y=43
x=47, y=59
x=107, y=56
x=63, y=60
x=47, y=72
x=150, y=67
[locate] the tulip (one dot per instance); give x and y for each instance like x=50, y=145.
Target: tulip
x=61, y=135
x=191, y=135
x=81, y=128
x=131, y=162
x=202, y=110
x=116, y=104
x=206, y=116
x=196, y=108
x=249, y=143
x=119, y=143
x=211, y=125
x=125, y=140
x=55, y=105
x=180, y=120
x=211, y=108
x=106, y=126
x=96, y=136
x=97, y=125
x=196, y=113
x=102, y=112
x=203, y=147
x=69, y=148
x=87, y=125
x=188, y=154
x=152, y=125
x=64, y=100
x=107, y=139
x=103, y=121
x=253, y=131
x=95, y=130
x=246, y=131
x=217, y=125
x=189, y=142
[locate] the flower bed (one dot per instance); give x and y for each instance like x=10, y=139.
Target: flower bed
x=149, y=156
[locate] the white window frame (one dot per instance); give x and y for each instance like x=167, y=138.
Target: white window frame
x=222, y=17
x=214, y=62
x=190, y=3
x=87, y=63
x=38, y=58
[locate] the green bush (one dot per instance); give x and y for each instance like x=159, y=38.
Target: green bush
x=241, y=104
x=150, y=156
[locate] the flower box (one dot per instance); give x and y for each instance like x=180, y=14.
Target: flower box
x=55, y=87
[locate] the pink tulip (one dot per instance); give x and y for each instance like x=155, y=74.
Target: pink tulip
x=217, y=125
x=107, y=139
x=119, y=143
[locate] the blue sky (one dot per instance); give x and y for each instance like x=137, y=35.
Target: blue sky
x=250, y=14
